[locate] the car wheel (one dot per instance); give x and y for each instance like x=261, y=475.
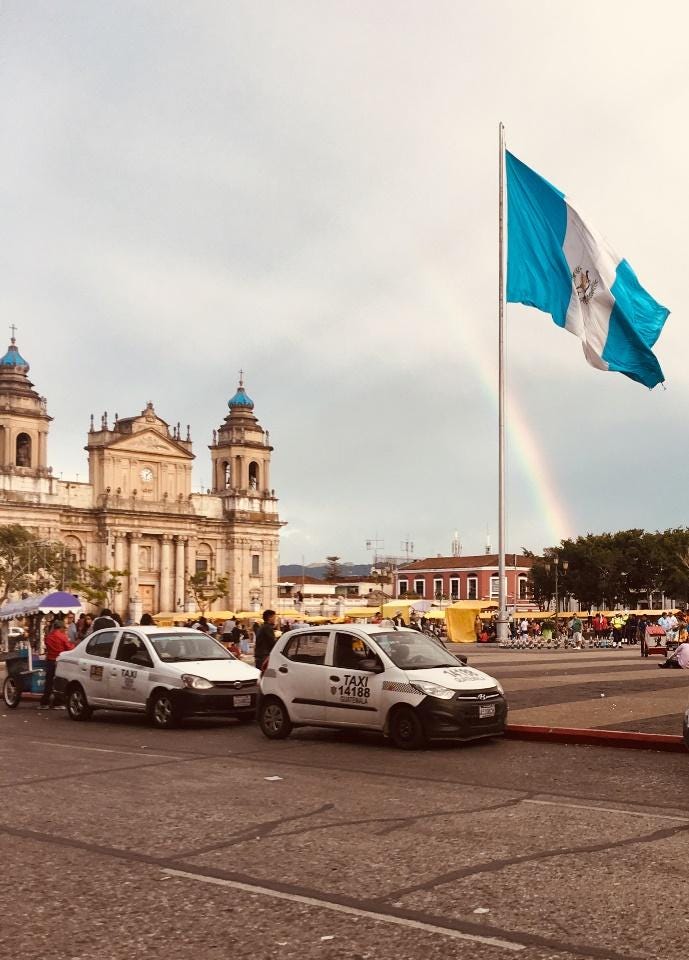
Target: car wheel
x=163, y=712
x=77, y=705
x=11, y=692
x=274, y=719
x=406, y=730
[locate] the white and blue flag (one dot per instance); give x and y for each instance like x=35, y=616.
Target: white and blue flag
x=561, y=265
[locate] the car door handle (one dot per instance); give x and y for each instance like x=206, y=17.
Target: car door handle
x=283, y=669
x=335, y=679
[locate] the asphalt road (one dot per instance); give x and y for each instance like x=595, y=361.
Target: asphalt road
x=118, y=841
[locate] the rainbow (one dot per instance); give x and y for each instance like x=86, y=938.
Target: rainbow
x=521, y=438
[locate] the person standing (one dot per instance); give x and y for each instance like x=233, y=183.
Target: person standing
x=265, y=638
x=104, y=621
x=478, y=626
x=71, y=629
x=576, y=626
x=56, y=642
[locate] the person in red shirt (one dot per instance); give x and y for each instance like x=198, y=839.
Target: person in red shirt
x=56, y=642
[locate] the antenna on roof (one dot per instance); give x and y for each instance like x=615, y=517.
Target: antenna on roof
x=456, y=545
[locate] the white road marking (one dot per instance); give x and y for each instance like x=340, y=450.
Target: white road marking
x=627, y=813
x=124, y=753
x=351, y=911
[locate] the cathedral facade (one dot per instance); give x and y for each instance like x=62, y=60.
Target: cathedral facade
x=137, y=513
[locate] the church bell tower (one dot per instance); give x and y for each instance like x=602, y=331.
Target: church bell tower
x=24, y=418
x=240, y=456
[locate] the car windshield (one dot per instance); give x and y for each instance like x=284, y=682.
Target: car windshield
x=411, y=650
x=178, y=647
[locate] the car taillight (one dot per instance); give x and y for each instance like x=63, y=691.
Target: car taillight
x=264, y=665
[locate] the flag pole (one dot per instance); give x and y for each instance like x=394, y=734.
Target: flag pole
x=503, y=617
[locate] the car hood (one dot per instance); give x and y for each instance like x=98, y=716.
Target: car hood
x=216, y=670
x=455, y=678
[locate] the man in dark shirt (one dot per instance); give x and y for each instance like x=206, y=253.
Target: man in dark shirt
x=265, y=638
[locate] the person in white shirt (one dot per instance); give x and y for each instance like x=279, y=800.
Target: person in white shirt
x=679, y=659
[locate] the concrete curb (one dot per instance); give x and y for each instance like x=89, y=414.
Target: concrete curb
x=599, y=738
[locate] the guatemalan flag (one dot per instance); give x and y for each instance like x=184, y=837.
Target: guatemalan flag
x=561, y=265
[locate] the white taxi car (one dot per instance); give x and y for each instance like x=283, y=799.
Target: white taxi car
x=167, y=673
x=397, y=681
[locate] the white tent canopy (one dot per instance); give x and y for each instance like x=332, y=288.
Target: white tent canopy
x=58, y=602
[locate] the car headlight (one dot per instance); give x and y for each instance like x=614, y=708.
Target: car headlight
x=501, y=690
x=434, y=689
x=196, y=683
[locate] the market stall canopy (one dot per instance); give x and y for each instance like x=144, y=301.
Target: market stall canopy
x=164, y=619
x=58, y=602
x=360, y=613
x=285, y=615
x=435, y=614
x=460, y=619
x=404, y=607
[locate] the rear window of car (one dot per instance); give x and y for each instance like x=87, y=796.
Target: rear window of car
x=307, y=648
x=100, y=644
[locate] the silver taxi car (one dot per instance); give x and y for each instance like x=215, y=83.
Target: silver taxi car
x=168, y=673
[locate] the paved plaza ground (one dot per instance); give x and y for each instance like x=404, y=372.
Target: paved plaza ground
x=605, y=689
x=118, y=841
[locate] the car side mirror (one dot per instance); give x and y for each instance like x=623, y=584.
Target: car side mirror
x=462, y=658
x=371, y=666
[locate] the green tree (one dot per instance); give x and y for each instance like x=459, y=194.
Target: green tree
x=29, y=564
x=204, y=591
x=98, y=585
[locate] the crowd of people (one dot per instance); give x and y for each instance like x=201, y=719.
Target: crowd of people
x=582, y=631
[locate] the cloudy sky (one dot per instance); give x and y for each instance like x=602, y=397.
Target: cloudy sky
x=308, y=190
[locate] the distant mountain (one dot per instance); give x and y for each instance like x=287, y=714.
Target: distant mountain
x=293, y=571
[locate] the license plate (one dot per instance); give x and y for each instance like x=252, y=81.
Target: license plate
x=486, y=710
x=246, y=702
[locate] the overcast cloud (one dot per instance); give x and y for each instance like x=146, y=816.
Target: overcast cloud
x=307, y=190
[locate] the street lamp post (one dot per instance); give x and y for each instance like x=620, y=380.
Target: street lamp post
x=556, y=564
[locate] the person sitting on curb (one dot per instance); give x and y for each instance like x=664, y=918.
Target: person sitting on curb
x=679, y=659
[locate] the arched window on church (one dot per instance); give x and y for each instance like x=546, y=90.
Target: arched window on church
x=74, y=549
x=253, y=475
x=23, y=450
x=227, y=474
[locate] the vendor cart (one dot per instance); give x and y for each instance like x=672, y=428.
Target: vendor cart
x=25, y=676
x=655, y=641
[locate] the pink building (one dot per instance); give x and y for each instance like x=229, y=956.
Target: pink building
x=466, y=578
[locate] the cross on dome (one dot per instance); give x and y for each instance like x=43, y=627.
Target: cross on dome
x=13, y=358
x=240, y=399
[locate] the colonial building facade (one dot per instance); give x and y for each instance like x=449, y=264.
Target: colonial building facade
x=466, y=578
x=138, y=512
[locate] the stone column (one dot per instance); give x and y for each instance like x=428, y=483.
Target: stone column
x=179, y=573
x=120, y=598
x=191, y=570
x=134, y=602
x=166, y=599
